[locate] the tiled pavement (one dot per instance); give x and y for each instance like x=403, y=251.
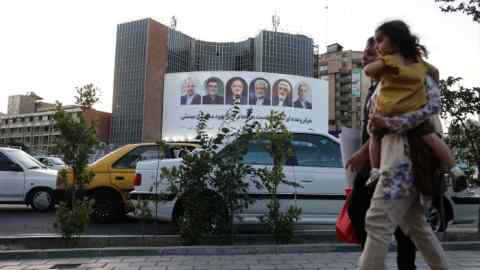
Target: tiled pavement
x=459, y=260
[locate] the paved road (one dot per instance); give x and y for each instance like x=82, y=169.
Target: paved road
x=22, y=220
x=459, y=260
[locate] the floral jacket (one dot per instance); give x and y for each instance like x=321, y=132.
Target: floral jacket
x=398, y=177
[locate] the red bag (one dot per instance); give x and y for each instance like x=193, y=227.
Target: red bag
x=344, y=226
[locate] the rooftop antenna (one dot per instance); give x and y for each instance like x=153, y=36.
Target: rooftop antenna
x=275, y=22
x=173, y=23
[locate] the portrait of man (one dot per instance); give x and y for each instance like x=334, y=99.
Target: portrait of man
x=189, y=96
x=259, y=92
x=303, y=96
x=236, y=90
x=214, y=90
x=282, y=93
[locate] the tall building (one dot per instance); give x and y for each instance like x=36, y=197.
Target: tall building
x=347, y=83
x=147, y=49
x=140, y=65
x=277, y=52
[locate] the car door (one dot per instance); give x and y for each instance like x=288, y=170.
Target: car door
x=320, y=173
x=12, y=180
x=123, y=170
x=258, y=157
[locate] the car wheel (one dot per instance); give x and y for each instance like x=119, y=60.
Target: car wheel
x=42, y=200
x=107, y=206
x=436, y=219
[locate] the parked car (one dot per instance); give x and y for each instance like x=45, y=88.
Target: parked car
x=114, y=175
x=24, y=180
x=316, y=165
x=54, y=163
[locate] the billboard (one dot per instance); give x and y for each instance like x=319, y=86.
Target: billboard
x=303, y=100
x=356, y=82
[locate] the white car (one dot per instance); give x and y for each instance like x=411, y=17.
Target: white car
x=53, y=163
x=316, y=165
x=24, y=180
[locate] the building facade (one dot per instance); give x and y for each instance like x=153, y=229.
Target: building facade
x=37, y=130
x=18, y=104
x=147, y=49
x=29, y=103
x=347, y=85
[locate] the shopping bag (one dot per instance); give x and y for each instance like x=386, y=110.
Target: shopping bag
x=344, y=226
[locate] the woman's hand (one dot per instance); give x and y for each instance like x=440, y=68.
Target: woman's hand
x=377, y=121
x=358, y=160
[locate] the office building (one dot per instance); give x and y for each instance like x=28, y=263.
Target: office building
x=146, y=50
x=347, y=85
x=29, y=103
x=37, y=130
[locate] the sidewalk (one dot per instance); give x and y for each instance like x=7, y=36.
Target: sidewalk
x=459, y=260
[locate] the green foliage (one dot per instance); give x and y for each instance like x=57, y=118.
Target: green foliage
x=470, y=7
x=212, y=185
x=72, y=219
x=75, y=142
x=460, y=105
x=87, y=96
x=280, y=224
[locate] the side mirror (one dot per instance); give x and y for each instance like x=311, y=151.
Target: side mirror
x=14, y=167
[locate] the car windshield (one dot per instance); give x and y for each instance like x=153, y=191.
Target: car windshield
x=106, y=156
x=26, y=160
x=57, y=161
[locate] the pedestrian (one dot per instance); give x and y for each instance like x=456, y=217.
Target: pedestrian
x=396, y=199
x=361, y=193
x=403, y=71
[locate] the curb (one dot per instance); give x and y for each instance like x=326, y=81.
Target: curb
x=55, y=241
x=203, y=250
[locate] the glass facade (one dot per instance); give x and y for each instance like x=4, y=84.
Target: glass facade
x=273, y=52
x=187, y=54
x=179, y=51
x=128, y=94
x=284, y=53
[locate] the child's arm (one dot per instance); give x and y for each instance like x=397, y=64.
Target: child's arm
x=378, y=67
x=375, y=69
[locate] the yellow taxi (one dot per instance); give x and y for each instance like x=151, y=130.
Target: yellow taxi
x=114, y=177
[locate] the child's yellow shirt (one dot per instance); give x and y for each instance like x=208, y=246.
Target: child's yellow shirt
x=404, y=91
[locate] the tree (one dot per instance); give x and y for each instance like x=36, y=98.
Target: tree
x=278, y=138
x=470, y=7
x=76, y=140
x=460, y=104
x=212, y=184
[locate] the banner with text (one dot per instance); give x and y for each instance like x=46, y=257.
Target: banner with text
x=303, y=100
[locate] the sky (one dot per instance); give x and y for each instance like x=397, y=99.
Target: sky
x=50, y=47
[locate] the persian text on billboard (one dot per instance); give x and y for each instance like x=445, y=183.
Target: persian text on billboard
x=303, y=100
